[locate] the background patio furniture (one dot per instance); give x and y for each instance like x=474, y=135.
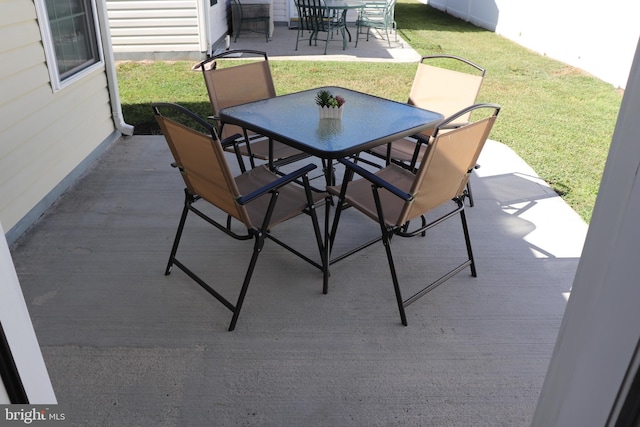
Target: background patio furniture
x=252, y=15
x=379, y=16
x=314, y=17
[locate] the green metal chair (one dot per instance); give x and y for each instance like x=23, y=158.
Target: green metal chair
x=314, y=18
x=379, y=16
x=247, y=15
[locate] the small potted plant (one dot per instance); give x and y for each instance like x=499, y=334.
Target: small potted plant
x=329, y=106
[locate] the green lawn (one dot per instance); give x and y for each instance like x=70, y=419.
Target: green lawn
x=557, y=118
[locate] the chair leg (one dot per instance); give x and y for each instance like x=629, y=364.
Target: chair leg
x=326, y=248
x=348, y=176
x=326, y=43
x=320, y=240
x=465, y=228
x=176, y=240
x=469, y=194
x=468, y=190
x=266, y=29
x=386, y=241
x=257, y=248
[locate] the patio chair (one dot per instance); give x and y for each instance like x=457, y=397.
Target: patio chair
x=240, y=84
x=444, y=90
x=394, y=196
x=314, y=18
x=247, y=15
x=259, y=199
x=380, y=16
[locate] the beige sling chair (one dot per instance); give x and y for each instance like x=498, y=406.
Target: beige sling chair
x=395, y=195
x=439, y=89
x=246, y=82
x=259, y=199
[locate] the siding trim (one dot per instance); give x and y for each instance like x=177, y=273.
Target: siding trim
x=45, y=203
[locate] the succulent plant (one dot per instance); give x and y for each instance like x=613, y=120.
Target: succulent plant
x=324, y=98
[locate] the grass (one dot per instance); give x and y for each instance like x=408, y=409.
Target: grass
x=557, y=118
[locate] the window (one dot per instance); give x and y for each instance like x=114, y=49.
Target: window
x=71, y=39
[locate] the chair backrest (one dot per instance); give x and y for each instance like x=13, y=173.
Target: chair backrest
x=311, y=15
x=236, y=85
x=236, y=7
x=445, y=170
x=200, y=159
x=378, y=13
x=254, y=12
x=445, y=90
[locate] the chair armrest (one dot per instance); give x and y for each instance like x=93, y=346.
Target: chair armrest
x=230, y=140
x=374, y=179
x=286, y=179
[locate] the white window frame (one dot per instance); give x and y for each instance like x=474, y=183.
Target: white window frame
x=47, y=41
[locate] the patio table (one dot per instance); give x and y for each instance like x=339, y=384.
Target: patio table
x=367, y=121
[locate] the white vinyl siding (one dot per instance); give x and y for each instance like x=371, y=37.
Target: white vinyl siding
x=280, y=13
x=596, y=38
x=154, y=25
x=44, y=134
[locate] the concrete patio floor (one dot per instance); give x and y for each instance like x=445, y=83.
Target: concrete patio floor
x=127, y=346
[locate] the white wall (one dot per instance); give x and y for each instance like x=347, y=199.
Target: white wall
x=218, y=27
x=598, y=37
x=601, y=325
x=20, y=334
x=44, y=135
x=153, y=25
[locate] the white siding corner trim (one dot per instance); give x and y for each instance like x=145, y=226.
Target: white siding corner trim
x=18, y=329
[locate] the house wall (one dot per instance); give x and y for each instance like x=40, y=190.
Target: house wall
x=219, y=16
x=44, y=136
x=280, y=12
x=596, y=354
x=165, y=29
x=597, y=37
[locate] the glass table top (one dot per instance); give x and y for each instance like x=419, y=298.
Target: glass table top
x=367, y=121
x=343, y=4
